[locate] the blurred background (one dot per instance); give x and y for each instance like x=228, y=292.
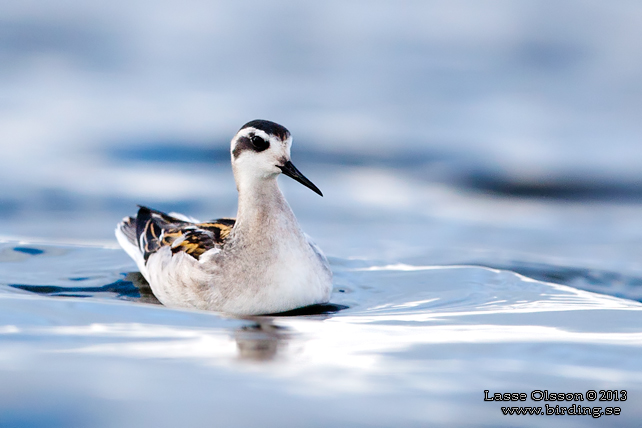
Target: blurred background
x=503, y=133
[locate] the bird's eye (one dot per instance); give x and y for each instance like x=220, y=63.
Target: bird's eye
x=259, y=143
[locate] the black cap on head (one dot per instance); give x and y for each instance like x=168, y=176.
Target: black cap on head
x=270, y=128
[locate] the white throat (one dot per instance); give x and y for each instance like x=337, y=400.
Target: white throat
x=263, y=208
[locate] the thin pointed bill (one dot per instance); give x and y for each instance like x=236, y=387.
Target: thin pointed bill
x=291, y=171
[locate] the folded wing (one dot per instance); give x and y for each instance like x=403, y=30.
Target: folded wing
x=152, y=230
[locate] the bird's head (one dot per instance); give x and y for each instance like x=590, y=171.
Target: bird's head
x=261, y=150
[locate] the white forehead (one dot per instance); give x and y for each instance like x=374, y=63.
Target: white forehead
x=247, y=131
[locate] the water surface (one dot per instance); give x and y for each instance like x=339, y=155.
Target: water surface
x=409, y=346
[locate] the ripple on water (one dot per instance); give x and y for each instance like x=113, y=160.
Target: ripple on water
x=360, y=285
x=399, y=344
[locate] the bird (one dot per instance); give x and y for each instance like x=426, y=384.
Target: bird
x=259, y=263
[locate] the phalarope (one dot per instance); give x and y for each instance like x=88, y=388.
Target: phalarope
x=260, y=263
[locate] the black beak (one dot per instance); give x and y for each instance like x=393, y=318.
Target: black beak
x=291, y=171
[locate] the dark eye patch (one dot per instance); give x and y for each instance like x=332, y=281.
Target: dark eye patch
x=258, y=143
x=252, y=143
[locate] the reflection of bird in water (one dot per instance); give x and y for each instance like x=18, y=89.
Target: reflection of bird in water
x=260, y=341
x=145, y=291
x=260, y=263
x=263, y=340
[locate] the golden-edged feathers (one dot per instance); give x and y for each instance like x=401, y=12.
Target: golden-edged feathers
x=152, y=230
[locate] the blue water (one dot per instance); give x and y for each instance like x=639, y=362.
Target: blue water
x=401, y=344
x=481, y=172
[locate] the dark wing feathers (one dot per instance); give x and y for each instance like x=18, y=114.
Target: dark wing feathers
x=221, y=228
x=194, y=242
x=155, y=229
x=128, y=227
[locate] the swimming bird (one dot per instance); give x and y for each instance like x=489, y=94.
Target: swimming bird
x=259, y=263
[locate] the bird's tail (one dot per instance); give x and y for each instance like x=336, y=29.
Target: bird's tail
x=127, y=228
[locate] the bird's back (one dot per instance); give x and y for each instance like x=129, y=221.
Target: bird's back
x=152, y=230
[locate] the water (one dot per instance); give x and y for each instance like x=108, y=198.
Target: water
x=481, y=172
x=405, y=344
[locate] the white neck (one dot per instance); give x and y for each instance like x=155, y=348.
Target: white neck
x=262, y=207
